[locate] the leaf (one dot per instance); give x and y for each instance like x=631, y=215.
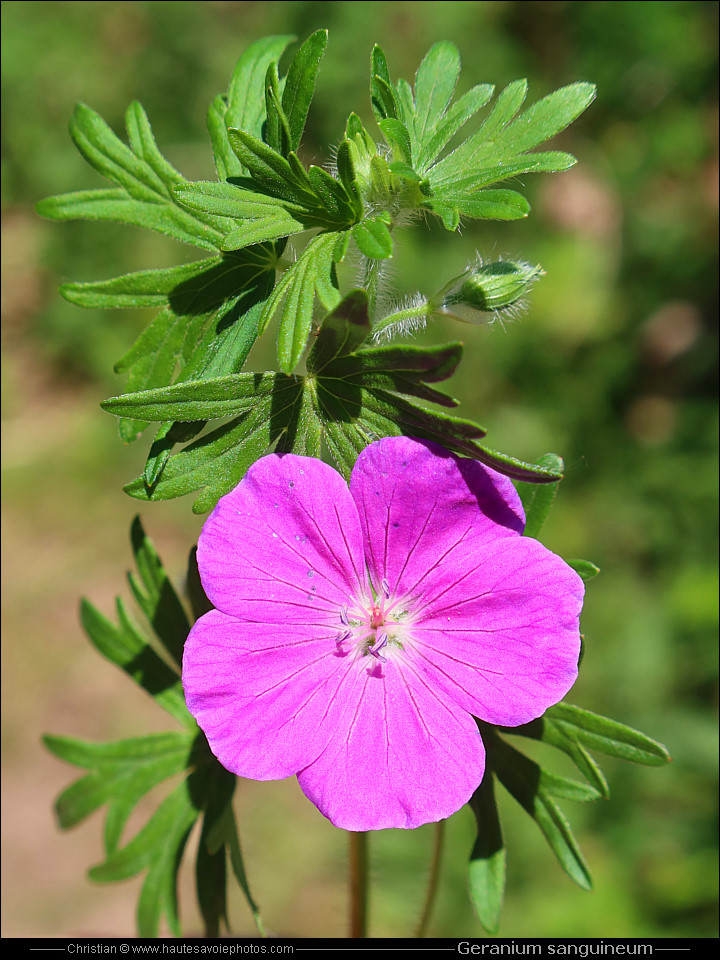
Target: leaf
x=584, y=568
x=534, y=788
x=353, y=394
x=344, y=329
x=125, y=646
x=373, y=239
x=435, y=83
x=143, y=177
x=199, y=399
x=217, y=461
x=538, y=499
x=498, y=149
x=457, y=116
x=123, y=772
x=120, y=774
x=243, y=107
x=550, y=732
x=383, y=98
x=156, y=595
x=311, y=276
x=485, y=204
x=300, y=84
x=210, y=865
x=486, y=869
x=608, y=736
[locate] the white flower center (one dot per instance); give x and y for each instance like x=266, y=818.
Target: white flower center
x=375, y=628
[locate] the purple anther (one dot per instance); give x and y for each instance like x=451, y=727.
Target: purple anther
x=375, y=651
x=343, y=615
x=342, y=637
x=385, y=587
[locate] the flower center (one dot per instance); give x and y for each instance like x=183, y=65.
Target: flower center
x=375, y=629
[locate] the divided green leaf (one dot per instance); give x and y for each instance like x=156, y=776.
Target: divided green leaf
x=120, y=774
x=353, y=394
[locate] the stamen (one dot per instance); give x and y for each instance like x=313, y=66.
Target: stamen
x=344, y=615
x=385, y=587
x=342, y=637
x=375, y=651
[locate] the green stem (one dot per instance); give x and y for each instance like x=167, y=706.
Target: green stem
x=433, y=880
x=371, y=282
x=358, y=885
x=416, y=314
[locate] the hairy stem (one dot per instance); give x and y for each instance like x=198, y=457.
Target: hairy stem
x=372, y=276
x=433, y=880
x=358, y=885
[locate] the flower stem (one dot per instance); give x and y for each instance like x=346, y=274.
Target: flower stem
x=438, y=843
x=358, y=885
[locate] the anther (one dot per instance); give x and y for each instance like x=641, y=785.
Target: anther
x=375, y=651
x=385, y=587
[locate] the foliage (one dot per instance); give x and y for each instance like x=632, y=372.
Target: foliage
x=186, y=369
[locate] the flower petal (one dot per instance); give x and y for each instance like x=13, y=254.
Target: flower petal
x=416, y=501
x=401, y=756
x=499, y=630
x=285, y=545
x=262, y=694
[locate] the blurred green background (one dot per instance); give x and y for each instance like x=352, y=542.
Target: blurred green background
x=613, y=366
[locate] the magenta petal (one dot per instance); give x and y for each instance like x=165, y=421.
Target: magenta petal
x=285, y=545
x=402, y=756
x=416, y=500
x=498, y=630
x=261, y=694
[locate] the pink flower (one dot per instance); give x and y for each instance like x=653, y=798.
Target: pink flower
x=359, y=631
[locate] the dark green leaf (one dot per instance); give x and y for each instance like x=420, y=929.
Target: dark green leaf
x=218, y=460
x=538, y=498
x=608, y=736
x=486, y=870
x=516, y=469
x=550, y=732
x=373, y=238
x=300, y=84
x=342, y=331
x=156, y=595
x=199, y=399
x=276, y=130
x=126, y=647
x=210, y=866
x=533, y=789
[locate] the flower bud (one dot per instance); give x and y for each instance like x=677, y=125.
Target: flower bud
x=494, y=286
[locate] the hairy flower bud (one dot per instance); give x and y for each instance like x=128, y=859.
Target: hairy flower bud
x=487, y=288
x=493, y=286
